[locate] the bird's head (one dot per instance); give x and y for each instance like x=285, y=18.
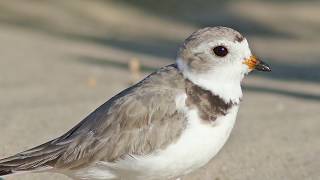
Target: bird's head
x=217, y=57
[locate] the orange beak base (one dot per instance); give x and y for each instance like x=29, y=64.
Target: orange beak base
x=255, y=64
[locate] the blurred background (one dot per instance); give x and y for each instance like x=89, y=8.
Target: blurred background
x=59, y=60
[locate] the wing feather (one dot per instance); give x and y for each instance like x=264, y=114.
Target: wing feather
x=137, y=121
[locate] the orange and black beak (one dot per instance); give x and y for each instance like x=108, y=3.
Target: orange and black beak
x=256, y=64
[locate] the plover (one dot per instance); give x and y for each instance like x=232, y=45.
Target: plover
x=172, y=122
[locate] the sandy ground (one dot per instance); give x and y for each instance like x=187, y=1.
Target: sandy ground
x=59, y=60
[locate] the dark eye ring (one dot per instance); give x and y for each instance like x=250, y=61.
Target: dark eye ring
x=220, y=51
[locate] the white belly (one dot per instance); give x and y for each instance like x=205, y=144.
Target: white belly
x=199, y=143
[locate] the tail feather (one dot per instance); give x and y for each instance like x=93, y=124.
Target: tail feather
x=35, y=159
x=5, y=172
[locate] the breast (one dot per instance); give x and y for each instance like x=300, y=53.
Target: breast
x=198, y=144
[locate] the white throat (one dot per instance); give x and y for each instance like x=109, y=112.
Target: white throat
x=224, y=81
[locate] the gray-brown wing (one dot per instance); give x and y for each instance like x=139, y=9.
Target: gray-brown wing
x=137, y=121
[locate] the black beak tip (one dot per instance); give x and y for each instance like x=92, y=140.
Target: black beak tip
x=263, y=67
x=267, y=69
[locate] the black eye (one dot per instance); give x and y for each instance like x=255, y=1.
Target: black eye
x=220, y=51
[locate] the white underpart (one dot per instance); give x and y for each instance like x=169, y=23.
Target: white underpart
x=99, y=171
x=198, y=144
